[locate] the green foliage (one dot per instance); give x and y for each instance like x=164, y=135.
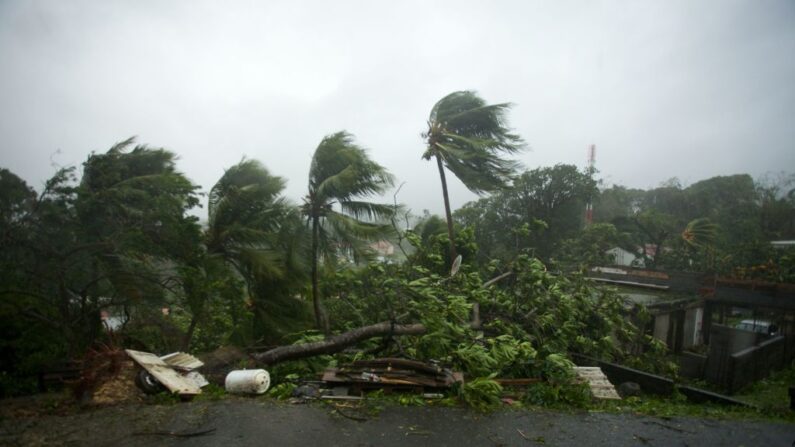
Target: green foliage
x=771, y=394
x=722, y=224
x=211, y=392
x=245, y=212
x=530, y=322
x=678, y=406
x=104, y=242
x=282, y=391
x=163, y=398
x=543, y=207
x=589, y=248
x=558, y=395
x=304, y=368
x=482, y=394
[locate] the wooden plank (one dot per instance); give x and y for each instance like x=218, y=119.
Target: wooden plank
x=164, y=373
x=400, y=363
x=600, y=386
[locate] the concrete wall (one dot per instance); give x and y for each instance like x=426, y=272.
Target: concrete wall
x=691, y=365
x=661, y=323
x=737, y=358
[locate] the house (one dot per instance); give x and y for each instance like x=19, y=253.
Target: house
x=383, y=249
x=624, y=257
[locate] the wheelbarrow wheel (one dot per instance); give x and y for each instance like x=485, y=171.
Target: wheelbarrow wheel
x=147, y=382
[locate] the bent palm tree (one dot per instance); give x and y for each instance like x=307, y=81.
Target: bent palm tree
x=340, y=176
x=469, y=137
x=250, y=230
x=245, y=211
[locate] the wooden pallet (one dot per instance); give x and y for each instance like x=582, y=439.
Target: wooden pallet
x=601, y=388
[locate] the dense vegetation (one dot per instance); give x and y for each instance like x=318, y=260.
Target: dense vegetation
x=114, y=256
x=722, y=224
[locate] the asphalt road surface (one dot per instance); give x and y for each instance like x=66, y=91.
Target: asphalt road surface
x=257, y=422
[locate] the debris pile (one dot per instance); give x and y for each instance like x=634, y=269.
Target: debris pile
x=118, y=388
x=176, y=372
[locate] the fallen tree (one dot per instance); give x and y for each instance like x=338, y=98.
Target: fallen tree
x=337, y=343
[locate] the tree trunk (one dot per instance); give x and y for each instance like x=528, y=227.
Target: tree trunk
x=447, y=212
x=337, y=343
x=320, y=322
x=189, y=335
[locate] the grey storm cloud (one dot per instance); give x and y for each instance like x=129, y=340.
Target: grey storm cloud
x=662, y=88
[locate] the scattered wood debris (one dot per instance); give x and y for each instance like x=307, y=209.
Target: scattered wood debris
x=601, y=388
x=392, y=374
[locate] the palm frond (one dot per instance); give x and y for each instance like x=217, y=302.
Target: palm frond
x=368, y=210
x=260, y=262
x=346, y=228
x=700, y=232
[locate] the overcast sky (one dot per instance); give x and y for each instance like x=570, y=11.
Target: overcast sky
x=688, y=89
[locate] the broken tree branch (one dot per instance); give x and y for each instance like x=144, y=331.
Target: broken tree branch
x=337, y=343
x=493, y=280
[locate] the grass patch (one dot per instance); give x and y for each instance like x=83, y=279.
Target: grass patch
x=771, y=394
x=678, y=406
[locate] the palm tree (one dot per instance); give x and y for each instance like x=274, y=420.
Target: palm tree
x=341, y=175
x=245, y=210
x=252, y=230
x=469, y=137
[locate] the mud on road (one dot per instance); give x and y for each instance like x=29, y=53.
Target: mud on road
x=258, y=422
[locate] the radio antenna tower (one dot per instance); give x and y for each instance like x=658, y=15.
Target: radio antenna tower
x=590, y=171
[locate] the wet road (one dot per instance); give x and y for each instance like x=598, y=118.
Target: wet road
x=253, y=422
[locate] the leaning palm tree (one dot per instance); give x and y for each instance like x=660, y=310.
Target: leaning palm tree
x=341, y=175
x=252, y=235
x=245, y=210
x=469, y=137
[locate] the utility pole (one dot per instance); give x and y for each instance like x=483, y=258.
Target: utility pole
x=590, y=170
